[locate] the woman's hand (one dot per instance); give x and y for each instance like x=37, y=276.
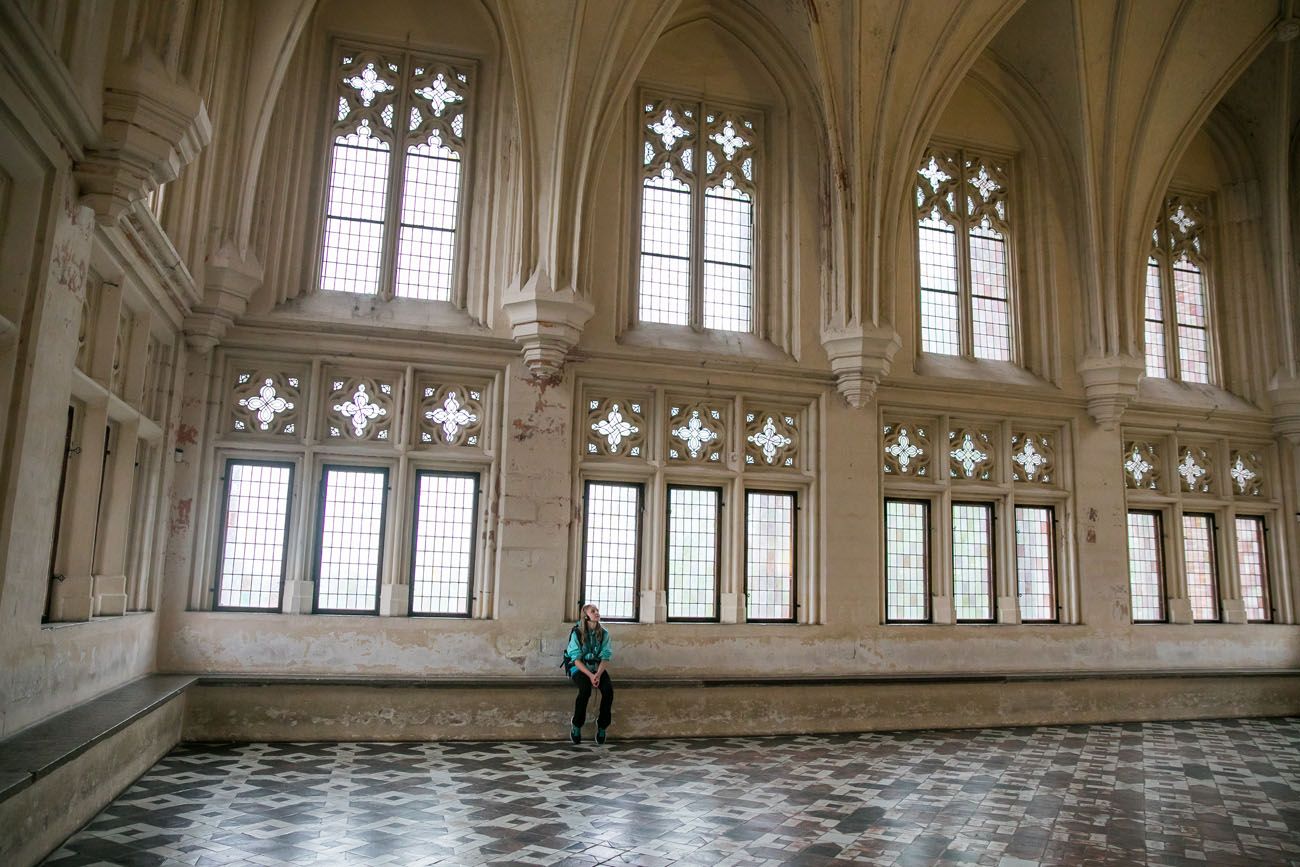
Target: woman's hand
x=595, y=680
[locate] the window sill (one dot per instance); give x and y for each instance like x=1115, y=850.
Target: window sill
x=402, y=314
x=957, y=367
x=751, y=347
x=105, y=618
x=1159, y=393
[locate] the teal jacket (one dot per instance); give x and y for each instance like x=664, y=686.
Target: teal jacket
x=592, y=652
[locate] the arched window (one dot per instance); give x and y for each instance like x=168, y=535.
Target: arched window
x=396, y=173
x=962, y=251
x=699, y=191
x=1176, y=308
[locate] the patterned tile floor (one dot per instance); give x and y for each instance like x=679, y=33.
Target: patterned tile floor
x=1224, y=792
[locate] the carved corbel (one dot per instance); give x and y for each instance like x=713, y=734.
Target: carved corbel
x=1110, y=384
x=153, y=127
x=1284, y=392
x=860, y=356
x=229, y=282
x=546, y=323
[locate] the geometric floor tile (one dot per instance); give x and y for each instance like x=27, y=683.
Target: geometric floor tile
x=1223, y=792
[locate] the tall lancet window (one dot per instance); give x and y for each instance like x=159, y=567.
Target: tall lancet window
x=698, y=196
x=962, y=236
x=1176, y=305
x=396, y=174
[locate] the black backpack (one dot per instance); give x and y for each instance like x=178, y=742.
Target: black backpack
x=566, y=665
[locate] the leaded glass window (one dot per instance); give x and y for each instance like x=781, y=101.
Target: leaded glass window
x=1146, y=575
x=700, y=164
x=963, y=232
x=694, y=552
x=1252, y=566
x=972, y=562
x=1176, y=295
x=769, y=555
x=350, y=538
x=442, y=545
x=1199, y=563
x=399, y=123
x=611, y=548
x=254, y=528
x=1036, y=563
x=907, y=566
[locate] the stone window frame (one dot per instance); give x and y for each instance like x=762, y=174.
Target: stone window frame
x=655, y=472
x=1204, y=257
x=386, y=292
x=939, y=490
x=404, y=456
x=1020, y=235
x=112, y=484
x=1171, y=499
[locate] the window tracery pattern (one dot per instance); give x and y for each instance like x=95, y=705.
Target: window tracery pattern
x=266, y=402
x=1175, y=281
x=1196, y=469
x=970, y=454
x=697, y=220
x=359, y=408
x=370, y=246
x=616, y=427
x=962, y=250
x=771, y=438
x=907, y=448
x=696, y=432
x=1247, y=473
x=1033, y=458
x=1141, y=465
x=450, y=414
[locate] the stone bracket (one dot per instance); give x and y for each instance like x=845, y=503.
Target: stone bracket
x=153, y=127
x=1110, y=383
x=1284, y=394
x=230, y=279
x=546, y=323
x=861, y=356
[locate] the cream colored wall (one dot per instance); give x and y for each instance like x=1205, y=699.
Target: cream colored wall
x=530, y=512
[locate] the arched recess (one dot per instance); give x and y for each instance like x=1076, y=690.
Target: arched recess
x=289, y=216
x=1045, y=195
x=796, y=163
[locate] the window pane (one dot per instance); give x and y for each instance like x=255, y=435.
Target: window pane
x=907, y=596
x=1198, y=558
x=1145, y=578
x=664, y=289
x=1193, y=340
x=728, y=260
x=769, y=556
x=427, y=236
x=990, y=310
x=354, y=213
x=1253, y=566
x=1035, y=563
x=611, y=534
x=937, y=248
x=351, y=539
x=1155, y=322
x=253, y=538
x=443, y=555
x=693, y=553
x=972, y=561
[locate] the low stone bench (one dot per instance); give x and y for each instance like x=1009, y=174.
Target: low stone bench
x=56, y=775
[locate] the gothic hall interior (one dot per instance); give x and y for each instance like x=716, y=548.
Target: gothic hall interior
x=873, y=366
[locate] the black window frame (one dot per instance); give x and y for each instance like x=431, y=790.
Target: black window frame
x=1162, y=567
x=640, y=529
x=1265, y=563
x=717, y=551
x=473, y=548
x=221, y=532
x=794, y=555
x=320, y=533
x=1214, y=566
x=1053, y=566
x=993, y=562
x=929, y=554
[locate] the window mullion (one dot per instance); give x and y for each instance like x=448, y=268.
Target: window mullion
x=397, y=170
x=697, y=222
x=1168, y=298
x=966, y=336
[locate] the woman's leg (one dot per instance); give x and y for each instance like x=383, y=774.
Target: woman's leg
x=583, y=683
x=606, y=700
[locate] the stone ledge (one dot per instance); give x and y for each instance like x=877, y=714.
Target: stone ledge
x=38, y=750
x=641, y=682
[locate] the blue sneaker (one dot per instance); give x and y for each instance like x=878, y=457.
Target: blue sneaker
x=600, y=736
x=575, y=735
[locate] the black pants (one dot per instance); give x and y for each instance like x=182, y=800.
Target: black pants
x=583, y=683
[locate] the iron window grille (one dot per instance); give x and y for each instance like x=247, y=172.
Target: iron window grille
x=352, y=515
x=256, y=508
x=611, y=548
x=974, y=592
x=693, y=553
x=907, y=561
x=444, y=534
x=1146, y=567
x=771, y=555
